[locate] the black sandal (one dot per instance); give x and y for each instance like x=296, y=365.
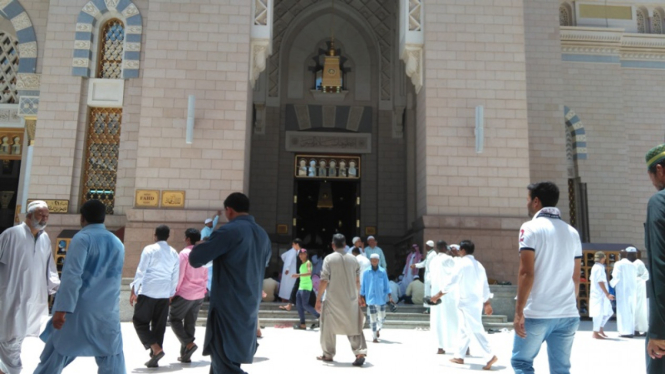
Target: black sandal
x=359, y=361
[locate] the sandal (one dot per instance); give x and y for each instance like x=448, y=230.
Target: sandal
x=359, y=361
x=324, y=358
x=299, y=327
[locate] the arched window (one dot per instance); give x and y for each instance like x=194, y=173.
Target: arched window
x=9, y=64
x=111, y=48
x=564, y=16
x=641, y=22
x=657, y=23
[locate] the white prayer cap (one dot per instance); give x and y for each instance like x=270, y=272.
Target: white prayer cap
x=631, y=250
x=374, y=256
x=416, y=277
x=208, y=220
x=355, y=239
x=430, y=243
x=370, y=238
x=454, y=247
x=37, y=204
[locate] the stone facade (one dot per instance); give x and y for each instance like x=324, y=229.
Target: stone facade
x=523, y=62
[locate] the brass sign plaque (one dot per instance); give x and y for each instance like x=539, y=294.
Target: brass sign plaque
x=54, y=206
x=147, y=198
x=173, y=199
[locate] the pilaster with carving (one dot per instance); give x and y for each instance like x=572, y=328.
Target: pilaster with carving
x=412, y=39
x=261, y=37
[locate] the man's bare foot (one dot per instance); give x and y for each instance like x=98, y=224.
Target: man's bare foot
x=441, y=352
x=458, y=361
x=602, y=332
x=597, y=335
x=490, y=363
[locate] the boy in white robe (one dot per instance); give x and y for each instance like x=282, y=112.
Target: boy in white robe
x=444, y=321
x=624, y=280
x=28, y=275
x=641, y=319
x=600, y=306
x=290, y=259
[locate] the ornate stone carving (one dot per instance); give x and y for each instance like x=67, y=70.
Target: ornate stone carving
x=415, y=15
x=31, y=129
x=21, y=22
x=81, y=62
x=302, y=113
x=9, y=115
x=82, y=44
x=130, y=64
x=259, y=55
x=260, y=120
x=130, y=11
x=28, y=106
x=111, y=4
x=344, y=143
x=133, y=29
x=613, y=42
x=91, y=9
x=132, y=47
x=355, y=116
x=413, y=59
x=261, y=12
x=377, y=13
x=27, y=50
x=84, y=27
x=28, y=82
x=4, y=3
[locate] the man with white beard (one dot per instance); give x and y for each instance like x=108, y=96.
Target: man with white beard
x=443, y=317
x=641, y=320
x=624, y=280
x=28, y=275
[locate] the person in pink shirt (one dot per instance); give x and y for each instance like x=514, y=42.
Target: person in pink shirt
x=188, y=298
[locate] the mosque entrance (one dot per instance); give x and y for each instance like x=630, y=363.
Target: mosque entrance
x=323, y=208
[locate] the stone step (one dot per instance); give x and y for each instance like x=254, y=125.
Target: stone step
x=389, y=323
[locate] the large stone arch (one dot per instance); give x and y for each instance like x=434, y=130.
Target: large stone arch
x=87, y=27
x=25, y=33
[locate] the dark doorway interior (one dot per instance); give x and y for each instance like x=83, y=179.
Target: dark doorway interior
x=316, y=225
x=9, y=177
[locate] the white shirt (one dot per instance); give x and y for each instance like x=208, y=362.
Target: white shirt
x=157, y=274
x=556, y=246
x=364, y=265
x=394, y=291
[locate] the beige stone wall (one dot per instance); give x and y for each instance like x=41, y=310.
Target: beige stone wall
x=474, y=56
x=200, y=48
x=545, y=97
x=595, y=93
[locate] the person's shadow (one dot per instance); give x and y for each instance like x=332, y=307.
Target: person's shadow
x=173, y=367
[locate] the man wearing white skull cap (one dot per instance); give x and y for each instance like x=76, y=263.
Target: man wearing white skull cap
x=28, y=275
x=624, y=280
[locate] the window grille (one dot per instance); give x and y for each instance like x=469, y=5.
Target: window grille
x=657, y=23
x=101, y=160
x=9, y=64
x=641, y=22
x=564, y=17
x=111, y=48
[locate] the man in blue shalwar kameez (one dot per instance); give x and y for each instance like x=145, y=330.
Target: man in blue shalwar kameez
x=239, y=251
x=86, y=314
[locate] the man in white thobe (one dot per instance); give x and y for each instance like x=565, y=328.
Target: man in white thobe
x=290, y=259
x=27, y=276
x=475, y=296
x=641, y=319
x=444, y=322
x=600, y=299
x=362, y=261
x=409, y=272
x=624, y=280
x=425, y=264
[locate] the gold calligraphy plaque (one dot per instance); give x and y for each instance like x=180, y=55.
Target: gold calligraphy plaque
x=54, y=206
x=173, y=199
x=147, y=198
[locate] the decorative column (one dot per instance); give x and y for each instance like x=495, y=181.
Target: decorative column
x=411, y=39
x=261, y=37
x=28, y=86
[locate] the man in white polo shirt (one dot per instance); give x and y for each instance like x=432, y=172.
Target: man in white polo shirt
x=548, y=281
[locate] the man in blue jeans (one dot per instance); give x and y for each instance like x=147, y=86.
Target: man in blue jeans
x=548, y=281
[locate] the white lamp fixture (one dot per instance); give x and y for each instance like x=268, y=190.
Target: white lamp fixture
x=190, y=119
x=480, y=129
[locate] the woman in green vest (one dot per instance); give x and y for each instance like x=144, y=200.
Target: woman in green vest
x=302, y=297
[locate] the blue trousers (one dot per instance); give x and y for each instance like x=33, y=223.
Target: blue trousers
x=52, y=362
x=302, y=304
x=559, y=334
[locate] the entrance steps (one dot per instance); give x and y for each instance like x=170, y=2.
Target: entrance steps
x=406, y=317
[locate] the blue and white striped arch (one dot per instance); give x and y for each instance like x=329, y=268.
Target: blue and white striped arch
x=576, y=128
x=87, y=26
x=25, y=32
